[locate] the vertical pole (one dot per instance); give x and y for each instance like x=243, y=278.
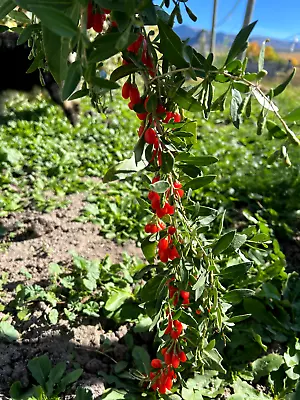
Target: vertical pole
x=247, y=20
x=213, y=28
x=249, y=12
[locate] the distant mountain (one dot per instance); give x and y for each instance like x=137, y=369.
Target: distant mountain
x=224, y=39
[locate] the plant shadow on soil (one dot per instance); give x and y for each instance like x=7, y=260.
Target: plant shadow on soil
x=93, y=345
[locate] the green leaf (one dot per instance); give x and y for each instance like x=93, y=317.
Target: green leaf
x=20, y=17
x=240, y=42
x=171, y=45
x=264, y=101
x=149, y=291
x=149, y=249
x=40, y=368
x=261, y=58
x=8, y=332
x=280, y=88
x=6, y=6
x=235, y=103
x=235, y=271
x=260, y=238
x=83, y=394
x=123, y=71
x=102, y=83
x=267, y=364
x=116, y=300
x=123, y=169
x=199, y=182
x=105, y=46
x=160, y=186
x=72, y=80
x=186, y=101
x=57, y=50
x=235, y=296
x=27, y=32
x=57, y=372
x=79, y=94
x=275, y=130
x=55, y=20
x=293, y=116
x=197, y=161
x=223, y=243
x=141, y=359
x=69, y=379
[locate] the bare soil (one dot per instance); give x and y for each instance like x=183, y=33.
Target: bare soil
x=35, y=240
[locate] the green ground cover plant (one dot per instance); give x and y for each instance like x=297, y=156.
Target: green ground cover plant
x=218, y=296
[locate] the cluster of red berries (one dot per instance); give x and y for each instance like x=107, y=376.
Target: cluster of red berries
x=173, y=356
x=96, y=18
x=141, y=45
x=175, y=293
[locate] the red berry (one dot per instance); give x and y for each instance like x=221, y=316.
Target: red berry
x=177, y=185
x=148, y=228
x=163, y=255
x=106, y=10
x=169, y=209
x=180, y=192
x=173, y=253
x=177, y=117
x=160, y=212
x=98, y=22
x=184, y=294
x=163, y=244
x=131, y=105
x=175, y=361
x=134, y=95
x=175, y=335
x=160, y=109
x=167, y=331
x=163, y=351
x=156, y=179
x=172, y=291
x=198, y=312
x=142, y=116
x=156, y=363
x=178, y=325
x=126, y=90
x=114, y=24
x=171, y=230
x=150, y=136
x=162, y=389
x=168, y=357
x=182, y=356
x=169, y=383
x=168, y=117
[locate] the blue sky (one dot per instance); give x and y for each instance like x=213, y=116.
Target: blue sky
x=276, y=18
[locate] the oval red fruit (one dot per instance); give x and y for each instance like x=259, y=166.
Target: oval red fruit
x=171, y=230
x=182, y=356
x=156, y=363
x=126, y=90
x=175, y=361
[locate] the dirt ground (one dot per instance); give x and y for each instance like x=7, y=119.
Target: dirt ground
x=38, y=239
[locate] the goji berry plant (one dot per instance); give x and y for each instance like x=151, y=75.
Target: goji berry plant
x=189, y=293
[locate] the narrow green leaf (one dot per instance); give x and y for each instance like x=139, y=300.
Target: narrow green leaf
x=280, y=88
x=171, y=45
x=186, y=101
x=123, y=71
x=199, y=161
x=6, y=6
x=199, y=182
x=160, y=186
x=293, y=116
x=102, y=83
x=57, y=50
x=149, y=249
x=115, y=300
x=55, y=20
x=224, y=242
x=261, y=58
x=27, y=32
x=40, y=368
x=72, y=80
x=240, y=42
